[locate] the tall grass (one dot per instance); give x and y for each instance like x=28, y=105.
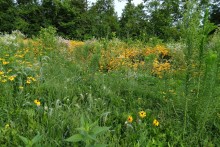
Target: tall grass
x=200, y=82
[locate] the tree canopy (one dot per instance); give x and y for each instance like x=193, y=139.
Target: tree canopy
x=77, y=19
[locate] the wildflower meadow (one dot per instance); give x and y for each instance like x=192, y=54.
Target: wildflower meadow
x=109, y=92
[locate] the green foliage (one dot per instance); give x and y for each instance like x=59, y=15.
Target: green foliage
x=47, y=36
x=7, y=16
x=133, y=18
x=199, y=105
x=104, y=20
x=33, y=142
x=78, y=20
x=88, y=133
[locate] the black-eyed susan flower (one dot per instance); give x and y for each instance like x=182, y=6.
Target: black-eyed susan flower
x=37, y=102
x=142, y=114
x=156, y=123
x=130, y=119
x=11, y=78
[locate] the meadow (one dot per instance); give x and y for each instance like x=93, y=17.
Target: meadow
x=59, y=92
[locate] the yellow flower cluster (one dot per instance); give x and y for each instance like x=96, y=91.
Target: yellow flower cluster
x=21, y=58
x=30, y=79
x=159, y=67
x=134, y=58
x=159, y=49
x=6, y=76
x=142, y=114
x=72, y=45
x=121, y=58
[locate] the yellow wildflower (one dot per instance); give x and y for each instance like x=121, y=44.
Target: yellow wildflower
x=142, y=114
x=156, y=123
x=5, y=62
x=130, y=119
x=37, y=102
x=29, y=79
x=11, y=78
x=1, y=72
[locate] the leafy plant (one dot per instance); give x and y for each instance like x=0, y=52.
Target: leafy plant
x=88, y=133
x=33, y=142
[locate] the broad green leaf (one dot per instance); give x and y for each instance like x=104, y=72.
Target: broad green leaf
x=82, y=120
x=93, y=124
x=97, y=130
x=36, y=139
x=91, y=137
x=75, y=138
x=81, y=129
x=24, y=139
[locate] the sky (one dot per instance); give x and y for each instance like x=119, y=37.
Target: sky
x=119, y=6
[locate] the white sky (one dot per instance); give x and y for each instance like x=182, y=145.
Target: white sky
x=119, y=6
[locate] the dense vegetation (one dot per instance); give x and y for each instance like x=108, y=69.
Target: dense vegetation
x=81, y=20
x=144, y=80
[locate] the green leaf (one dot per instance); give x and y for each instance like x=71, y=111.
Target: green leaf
x=97, y=130
x=81, y=129
x=36, y=139
x=91, y=137
x=75, y=138
x=24, y=139
x=93, y=124
x=82, y=120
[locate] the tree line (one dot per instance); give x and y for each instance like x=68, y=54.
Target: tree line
x=78, y=19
